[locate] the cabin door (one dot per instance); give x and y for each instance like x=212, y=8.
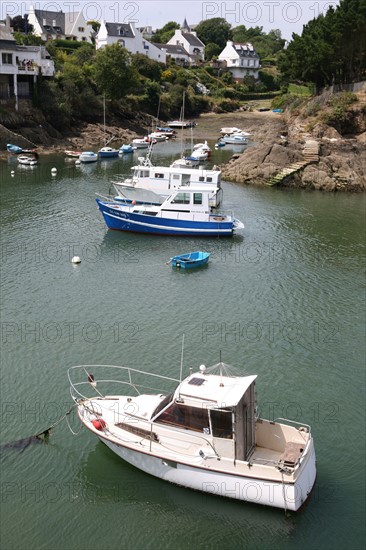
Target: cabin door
x=245, y=425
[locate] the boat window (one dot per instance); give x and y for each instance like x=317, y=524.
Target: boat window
x=197, y=198
x=209, y=180
x=181, y=198
x=163, y=403
x=159, y=176
x=176, y=176
x=191, y=418
x=201, y=178
x=221, y=422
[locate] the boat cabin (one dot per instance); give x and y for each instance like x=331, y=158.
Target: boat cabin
x=222, y=409
x=173, y=177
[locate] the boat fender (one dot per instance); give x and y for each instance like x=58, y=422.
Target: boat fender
x=99, y=424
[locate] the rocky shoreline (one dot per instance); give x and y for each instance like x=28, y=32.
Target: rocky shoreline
x=278, y=156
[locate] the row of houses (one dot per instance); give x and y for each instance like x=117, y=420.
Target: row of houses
x=20, y=66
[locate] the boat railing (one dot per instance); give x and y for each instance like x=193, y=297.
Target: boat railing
x=92, y=382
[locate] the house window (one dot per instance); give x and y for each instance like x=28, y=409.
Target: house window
x=81, y=29
x=83, y=39
x=7, y=58
x=121, y=42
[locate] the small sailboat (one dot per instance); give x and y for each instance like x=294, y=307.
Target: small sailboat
x=126, y=149
x=190, y=260
x=106, y=152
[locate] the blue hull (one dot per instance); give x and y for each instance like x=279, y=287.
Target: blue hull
x=141, y=223
x=108, y=155
x=191, y=260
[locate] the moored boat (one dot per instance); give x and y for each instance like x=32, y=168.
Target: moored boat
x=202, y=432
x=186, y=212
x=27, y=160
x=162, y=180
x=190, y=260
x=236, y=139
x=73, y=154
x=108, y=152
x=126, y=149
x=88, y=156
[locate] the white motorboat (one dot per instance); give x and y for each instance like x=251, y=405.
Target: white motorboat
x=202, y=432
x=199, y=154
x=140, y=143
x=27, y=160
x=88, y=156
x=203, y=147
x=158, y=136
x=162, y=180
x=236, y=139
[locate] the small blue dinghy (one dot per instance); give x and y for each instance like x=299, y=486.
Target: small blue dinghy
x=190, y=260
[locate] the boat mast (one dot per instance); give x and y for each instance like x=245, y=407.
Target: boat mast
x=105, y=137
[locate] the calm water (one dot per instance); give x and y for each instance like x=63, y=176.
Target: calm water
x=284, y=300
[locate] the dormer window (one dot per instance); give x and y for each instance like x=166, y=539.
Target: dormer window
x=121, y=31
x=81, y=29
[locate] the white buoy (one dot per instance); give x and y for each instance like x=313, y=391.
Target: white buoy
x=76, y=260
x=77, y=162
x=53, y=171
x=12, y=173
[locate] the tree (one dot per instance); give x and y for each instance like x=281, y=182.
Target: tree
x=216, y=30
x=163, y=35
x=212, y=50
x=114, y=74
x=19, y=23
x=147, y=67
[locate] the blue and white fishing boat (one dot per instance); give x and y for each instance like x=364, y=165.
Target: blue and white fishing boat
x=186, y=212
x=88, y=156
x=190, y=260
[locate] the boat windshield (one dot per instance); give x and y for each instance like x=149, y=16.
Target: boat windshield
x=163, y=404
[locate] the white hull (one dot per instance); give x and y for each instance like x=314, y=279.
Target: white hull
x=288, y=496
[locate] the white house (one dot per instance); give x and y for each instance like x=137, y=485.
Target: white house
x=176, y=52
x=21, y=66
x=57, y=24
x=241, y=60
x=188, y=40
x=130, y=38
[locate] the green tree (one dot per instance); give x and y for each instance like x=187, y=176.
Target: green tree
x=114, y=74
x=216, y=30
x=212, y=50
x=147, y=67
x=163, y=35
x=20, y=24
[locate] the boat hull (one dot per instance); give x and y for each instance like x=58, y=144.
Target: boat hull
x=190, y=261
x=140, y=223
x=288, y=496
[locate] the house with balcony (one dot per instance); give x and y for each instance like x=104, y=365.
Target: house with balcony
x=187, y=39
x=21, y=66
x=241, y=60
x=50, y=25
x=128, y=36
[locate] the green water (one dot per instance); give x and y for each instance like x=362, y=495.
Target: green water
x=283, y=300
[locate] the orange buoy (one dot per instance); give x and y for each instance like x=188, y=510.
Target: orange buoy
x=99, y=424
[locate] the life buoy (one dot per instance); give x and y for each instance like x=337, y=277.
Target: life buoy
x=99, y=424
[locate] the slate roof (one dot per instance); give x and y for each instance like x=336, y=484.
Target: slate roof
x=172, y=49
x=192, y=39
x=114, y=29
x=51, y=16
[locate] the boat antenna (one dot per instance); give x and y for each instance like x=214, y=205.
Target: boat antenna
x=221, y=384
x=181, y=360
